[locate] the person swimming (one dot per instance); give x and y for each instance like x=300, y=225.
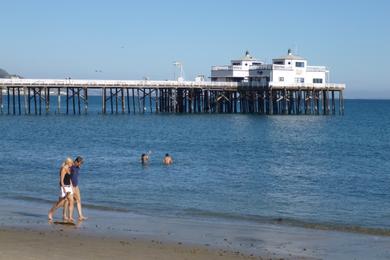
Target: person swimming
x=167, y=159
x=144, y=158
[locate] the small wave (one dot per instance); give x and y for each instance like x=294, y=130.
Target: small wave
x=85, y=205
x=26, y=214
x=31, y=199
x=289, y=222
x=105, y=208
x=192, y=212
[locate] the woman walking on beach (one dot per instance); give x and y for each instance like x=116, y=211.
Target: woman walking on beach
x=66, y=192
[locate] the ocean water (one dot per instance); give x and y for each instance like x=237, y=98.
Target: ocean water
x=313, y=171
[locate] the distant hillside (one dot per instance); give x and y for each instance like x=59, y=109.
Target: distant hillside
x=5, y=75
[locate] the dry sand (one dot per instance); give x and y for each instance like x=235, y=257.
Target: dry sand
x=59, y=244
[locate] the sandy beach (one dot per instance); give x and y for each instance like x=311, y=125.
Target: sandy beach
x=26, y=234
x=29, y=244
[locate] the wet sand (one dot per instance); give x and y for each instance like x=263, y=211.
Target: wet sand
x=26, y=234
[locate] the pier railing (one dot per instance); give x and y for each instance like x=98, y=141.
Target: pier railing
x=316, y=69
x=158, y=84
x=322, y=86
x=227, y=67
x=115, y=83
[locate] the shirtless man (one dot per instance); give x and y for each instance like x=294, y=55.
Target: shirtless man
x=167, y=159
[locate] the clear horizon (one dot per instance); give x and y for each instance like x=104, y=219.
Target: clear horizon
x=133, y=40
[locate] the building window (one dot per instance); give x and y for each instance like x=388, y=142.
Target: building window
x=299, y=80
x=281, y=79
x=317, y=80
x=300, y=64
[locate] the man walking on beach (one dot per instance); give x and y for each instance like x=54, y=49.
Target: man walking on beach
x=75, y=171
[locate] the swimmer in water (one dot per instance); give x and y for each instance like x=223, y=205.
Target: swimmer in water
x=167, y=159
x=144, y=158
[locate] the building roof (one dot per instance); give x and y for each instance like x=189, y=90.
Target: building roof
x=290, y=56
x=247, y=57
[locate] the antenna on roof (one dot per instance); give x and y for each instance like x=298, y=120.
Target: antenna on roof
x=179, y=65
x=296, y=48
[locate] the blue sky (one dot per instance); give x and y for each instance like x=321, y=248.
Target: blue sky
x=134, y=39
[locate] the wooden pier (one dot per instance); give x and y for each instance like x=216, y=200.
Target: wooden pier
x=37, y=97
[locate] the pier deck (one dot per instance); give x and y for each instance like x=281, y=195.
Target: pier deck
x=33, y=96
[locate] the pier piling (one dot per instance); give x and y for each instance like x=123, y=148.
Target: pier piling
x=1, y=100
x=172, y=97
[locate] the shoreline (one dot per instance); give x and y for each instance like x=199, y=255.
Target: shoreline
x=228, y=238
x=201, y=215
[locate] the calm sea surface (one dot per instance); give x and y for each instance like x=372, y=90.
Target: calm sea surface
x=299, y=170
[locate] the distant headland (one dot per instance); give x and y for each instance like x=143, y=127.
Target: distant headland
x=5, y=75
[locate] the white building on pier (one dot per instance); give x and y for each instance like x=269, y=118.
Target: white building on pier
x=286, y=70
x=238, y=71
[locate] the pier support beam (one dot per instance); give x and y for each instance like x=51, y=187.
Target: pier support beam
x=333, y=104
x=298, y=99
x=67, y=101
x=327, y=102
x=111, y=101
x=123, y=101
x=271, y=103
x=13, y=101
x=341, y=98
x=73, y=100
x=128, y=100
x=40, y=100
x=8, y=100
x=133, y=94
x=19, y=102
x=58, y=100
x=285, y=99
x=85, y=98
x=78, y=99
x=177, y=99
x=103, y=101
x=47, y=99
x=1, y=100
x=25, y=89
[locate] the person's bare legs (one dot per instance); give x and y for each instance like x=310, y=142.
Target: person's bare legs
x=65, y=210
x=71, y=206
x=56, y=205
x=77, y=198
x=81, y=216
